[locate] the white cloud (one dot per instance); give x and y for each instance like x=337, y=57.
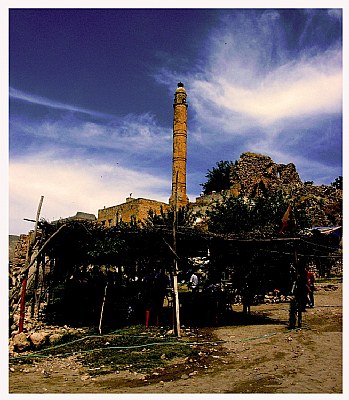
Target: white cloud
x=73, y=185
x=294, y=90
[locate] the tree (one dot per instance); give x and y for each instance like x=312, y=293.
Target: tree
x=232, y=215
x=338, y=183
x=185, y=218
x=261, y=215
x=218, y=178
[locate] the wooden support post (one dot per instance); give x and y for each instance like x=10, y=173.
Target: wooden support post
x=299, y=290
x=176, y=298
x=22, y=305
x=35, y=287
x=28, y=263
x=175, y=272
x=102, y=309
x=43, y=264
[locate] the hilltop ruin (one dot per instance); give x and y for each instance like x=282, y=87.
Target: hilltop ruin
x=256, y=174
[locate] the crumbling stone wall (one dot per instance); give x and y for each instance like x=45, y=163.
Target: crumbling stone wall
x=255, y=174
x=17, y=259
x=323, y=203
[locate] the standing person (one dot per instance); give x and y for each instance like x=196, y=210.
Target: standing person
x=310, y=286
x=246, y=295
x=160, y=289
x=194, y=306
x=194, y=282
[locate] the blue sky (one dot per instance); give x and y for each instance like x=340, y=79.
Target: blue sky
x=91, y=93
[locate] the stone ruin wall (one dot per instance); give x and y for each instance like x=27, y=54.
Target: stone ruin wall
x=254, y=174
x=17, y=256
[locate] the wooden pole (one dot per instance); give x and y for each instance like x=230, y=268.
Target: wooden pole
x=37, y=219
x=299, y=291
x=102, y=309
x=35, y=287
x=22, y=305
x=175, y=274
x=31, y=243
x=49, y=281
x=39, y=295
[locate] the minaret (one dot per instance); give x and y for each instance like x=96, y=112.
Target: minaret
x=179, y=162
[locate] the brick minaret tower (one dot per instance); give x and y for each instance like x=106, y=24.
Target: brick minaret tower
x=179, y=163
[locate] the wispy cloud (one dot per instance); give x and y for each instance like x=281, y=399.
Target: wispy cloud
x=43, y=101
x=134, y=134
x=291, y=91
x=262, y=93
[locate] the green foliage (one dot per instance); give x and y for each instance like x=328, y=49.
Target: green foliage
x=218, y=178
x=232, y=215
x=262, y=214
x=185, y=218
x=338, y=183
x=105, y=247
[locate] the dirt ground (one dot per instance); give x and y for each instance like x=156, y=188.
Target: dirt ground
x=261, y=356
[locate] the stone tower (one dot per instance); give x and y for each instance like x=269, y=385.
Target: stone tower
x=179, y=162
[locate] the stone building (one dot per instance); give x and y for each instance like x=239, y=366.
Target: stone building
x=79, y=216
x=132, y=209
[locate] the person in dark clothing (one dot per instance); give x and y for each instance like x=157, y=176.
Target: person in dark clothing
x=161, y=282
x=246, y=295
x=310, y=287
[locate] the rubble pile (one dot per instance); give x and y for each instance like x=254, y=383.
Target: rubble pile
x=37, y=335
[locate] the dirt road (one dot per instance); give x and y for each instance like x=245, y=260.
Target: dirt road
x=261, y=356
